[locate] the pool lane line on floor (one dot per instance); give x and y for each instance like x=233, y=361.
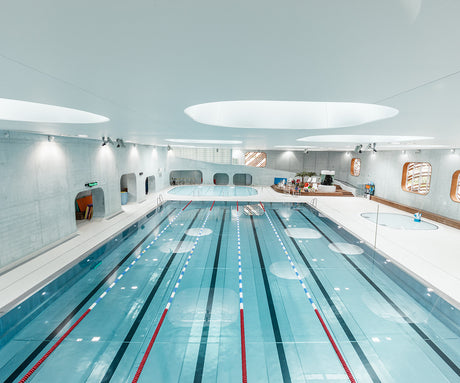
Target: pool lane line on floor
x=207, y=318
x=271, y=307
x=240, y=282
x=171, y=299
x=402, y=314
x=77, y=308
x=61, y=339
x=137, y=321
x=359, y=351
x=326, y=330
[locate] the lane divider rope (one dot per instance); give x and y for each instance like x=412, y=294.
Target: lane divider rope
x=171, y=299
x=323, y=324
x=240, y=277
x=59, y=341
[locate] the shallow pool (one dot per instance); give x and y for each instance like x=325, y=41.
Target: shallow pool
x=398, y=221
x=214, y=191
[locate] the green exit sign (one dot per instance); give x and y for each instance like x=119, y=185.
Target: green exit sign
x=91, y=184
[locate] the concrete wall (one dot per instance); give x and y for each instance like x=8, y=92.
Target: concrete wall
x=385, y=170
x=39, y=181
x=260, y=176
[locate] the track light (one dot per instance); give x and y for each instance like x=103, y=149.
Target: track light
x=107, y=140
x=50, y=138
x=359, y=148
x=120, y=143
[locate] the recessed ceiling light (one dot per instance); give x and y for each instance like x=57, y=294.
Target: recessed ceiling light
x=287, y=114
x=193, y=141
x=16, y=110
x=361, y=138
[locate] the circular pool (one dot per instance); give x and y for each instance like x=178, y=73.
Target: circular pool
x=214, y=191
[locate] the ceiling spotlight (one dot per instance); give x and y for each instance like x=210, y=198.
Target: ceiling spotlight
x=359, y=148
x=120, y=143
x=169, y=148
x=50, y=138
x=107, y=140
x=306, y=151
x=373, y=148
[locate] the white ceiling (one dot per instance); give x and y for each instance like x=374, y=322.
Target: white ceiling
x=142, y=62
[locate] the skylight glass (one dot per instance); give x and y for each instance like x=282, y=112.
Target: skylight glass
x=252, y=114
x=17, y=110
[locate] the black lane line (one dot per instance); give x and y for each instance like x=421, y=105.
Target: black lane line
x=207, y=319
x=343, y=324
x=403, y=315
x=121, y=351
x=271, y=307
x=77, y=308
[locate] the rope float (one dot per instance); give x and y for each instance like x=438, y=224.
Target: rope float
x=323, y=324
x=77, y=322
x=168, y=305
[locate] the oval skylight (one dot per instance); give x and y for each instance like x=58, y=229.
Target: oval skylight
x=361, y=138
x=16, y=110
x=193, y=141
x=287, y=114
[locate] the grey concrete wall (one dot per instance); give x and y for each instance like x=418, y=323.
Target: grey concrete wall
x=385, y=170
x=39, y=181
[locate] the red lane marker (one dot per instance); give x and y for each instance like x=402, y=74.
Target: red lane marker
x=243, y=348
x=186, y=206
x=236, y=205
x=44, y=357
x=261, y=204
x=149, y=348
x=336, y=349
x=212, y=205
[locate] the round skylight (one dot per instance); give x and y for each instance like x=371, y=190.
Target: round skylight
x=287, y=114
x=210, y=142
x=16, y=110
x=361, y=138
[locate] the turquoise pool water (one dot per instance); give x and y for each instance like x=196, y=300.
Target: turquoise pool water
x=213, y=191
x=387, y=327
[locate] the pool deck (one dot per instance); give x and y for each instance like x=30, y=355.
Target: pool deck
x=429, y=255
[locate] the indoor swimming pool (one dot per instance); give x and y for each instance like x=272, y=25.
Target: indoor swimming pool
x=210, y=292
x=213, y=191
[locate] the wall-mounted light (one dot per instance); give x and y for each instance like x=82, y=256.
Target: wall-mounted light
x=347, y=154
x=120, y=143
x=169, y=148
x=452, y=150
x=359, y=148
x=50, y=138
x=373, y=148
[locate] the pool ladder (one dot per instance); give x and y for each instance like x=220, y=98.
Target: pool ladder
x=160, y=199
x=314, y=202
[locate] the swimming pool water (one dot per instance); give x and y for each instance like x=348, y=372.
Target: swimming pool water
x=398, y=221
x=215, y=191
x=382, y=331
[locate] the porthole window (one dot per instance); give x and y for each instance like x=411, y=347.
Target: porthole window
x=256, y=159
x=416, y=177
x=455, y=187
x=355, y=168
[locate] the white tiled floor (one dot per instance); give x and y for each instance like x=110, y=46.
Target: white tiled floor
x=430, y=255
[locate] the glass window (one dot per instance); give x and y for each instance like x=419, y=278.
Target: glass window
x=355, y=168
x=256, y=159
x=455, y=187
x=416, y=177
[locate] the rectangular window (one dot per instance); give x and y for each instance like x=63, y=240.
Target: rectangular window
x=256, y=159
x=455, y=187
x=416, y=177
x=355, y=168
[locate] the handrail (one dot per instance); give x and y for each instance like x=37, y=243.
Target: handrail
x=314, y=202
